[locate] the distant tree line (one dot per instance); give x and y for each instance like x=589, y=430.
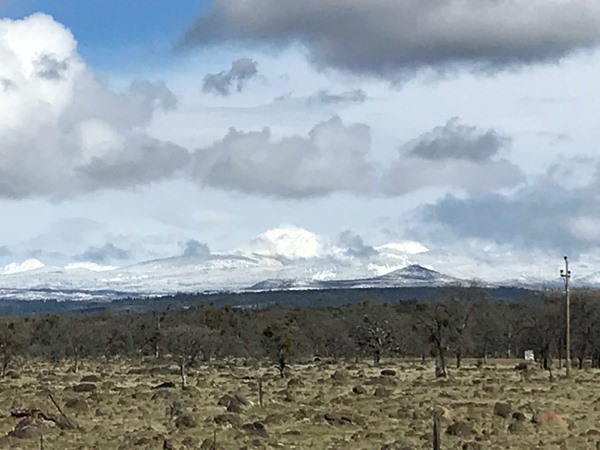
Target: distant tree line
x=459, y=322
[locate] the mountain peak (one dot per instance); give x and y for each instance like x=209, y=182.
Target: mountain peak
x=25, y=266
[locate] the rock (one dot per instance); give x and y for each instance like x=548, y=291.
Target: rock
x=549, y=418
x=295, y=383
x=234, y=407
x=518, y=428
x=233, y=403
x=77, y=404
x=91, y=379
x=522, y=367
x=185, y=420
x=462, y=429
x=502, y=409
x=342, y=419
x=84, y=387
x=228, y=419
x=359, y=390
x=256, y=428
x=165, y=385
x=28, y=428
x=518, y=416
x=388, y=373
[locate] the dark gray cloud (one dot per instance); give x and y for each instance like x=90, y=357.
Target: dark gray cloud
x=458, y=141
x=392, y=37
x=146, y=160
x=545, y=214
x=50, y=68
x=195, y=249
x=334, y=157
x=325, y=97
x=105, y=253
x=355, y=246
x=453, y=155
x=241, y=71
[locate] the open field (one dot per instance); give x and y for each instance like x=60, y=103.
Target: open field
x=319, y=406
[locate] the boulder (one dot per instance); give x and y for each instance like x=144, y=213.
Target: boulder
x=461, y=429
x=503, y=410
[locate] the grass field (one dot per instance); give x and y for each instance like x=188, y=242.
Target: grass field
x=319, y=406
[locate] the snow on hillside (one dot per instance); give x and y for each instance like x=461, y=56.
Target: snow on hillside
x=25, y=266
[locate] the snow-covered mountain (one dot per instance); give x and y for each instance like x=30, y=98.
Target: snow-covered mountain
x=280, y=259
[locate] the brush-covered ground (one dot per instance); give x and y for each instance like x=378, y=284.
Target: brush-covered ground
x=320, y=405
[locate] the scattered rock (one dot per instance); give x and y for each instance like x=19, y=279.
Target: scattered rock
x=165, y=385
x=522, y=367
x=228, y=420
x=342, y=419
x=84, y=387
x=519, y=416
x=256, y=428
x=185, y=420
x=28, y=428
x=77, y=404
x=359, y=390
x=462, y=429
x=518, y=428
x=91, y=379
x=234, y=403
x=502, y=409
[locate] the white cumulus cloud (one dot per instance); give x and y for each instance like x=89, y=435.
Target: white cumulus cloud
x=63, y=130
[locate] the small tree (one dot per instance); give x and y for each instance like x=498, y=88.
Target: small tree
x=279, y=346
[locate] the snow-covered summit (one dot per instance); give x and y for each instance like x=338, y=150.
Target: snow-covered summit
x=25, y=266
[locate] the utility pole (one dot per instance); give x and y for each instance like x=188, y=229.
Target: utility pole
x=566, y=275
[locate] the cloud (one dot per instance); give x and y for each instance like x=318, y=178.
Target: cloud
x=399, y=37
x=354, y=245
x=241, y=71
x=333, y=157
x=453, y=155
x=5, y=251
x=457, y=141
x=545, y=214
x=325, y=97
x=105, y=253
x=195, y=249
x=63, y=130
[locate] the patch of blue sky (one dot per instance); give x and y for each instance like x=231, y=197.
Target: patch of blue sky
x=117, y=35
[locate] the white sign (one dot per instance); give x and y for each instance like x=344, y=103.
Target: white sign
x=529, y=355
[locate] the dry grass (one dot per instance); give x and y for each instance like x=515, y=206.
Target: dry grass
x=311, y=409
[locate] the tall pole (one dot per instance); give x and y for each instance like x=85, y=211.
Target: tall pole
x=566, y=275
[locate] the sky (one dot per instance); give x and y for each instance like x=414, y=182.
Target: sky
x=129, y=129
